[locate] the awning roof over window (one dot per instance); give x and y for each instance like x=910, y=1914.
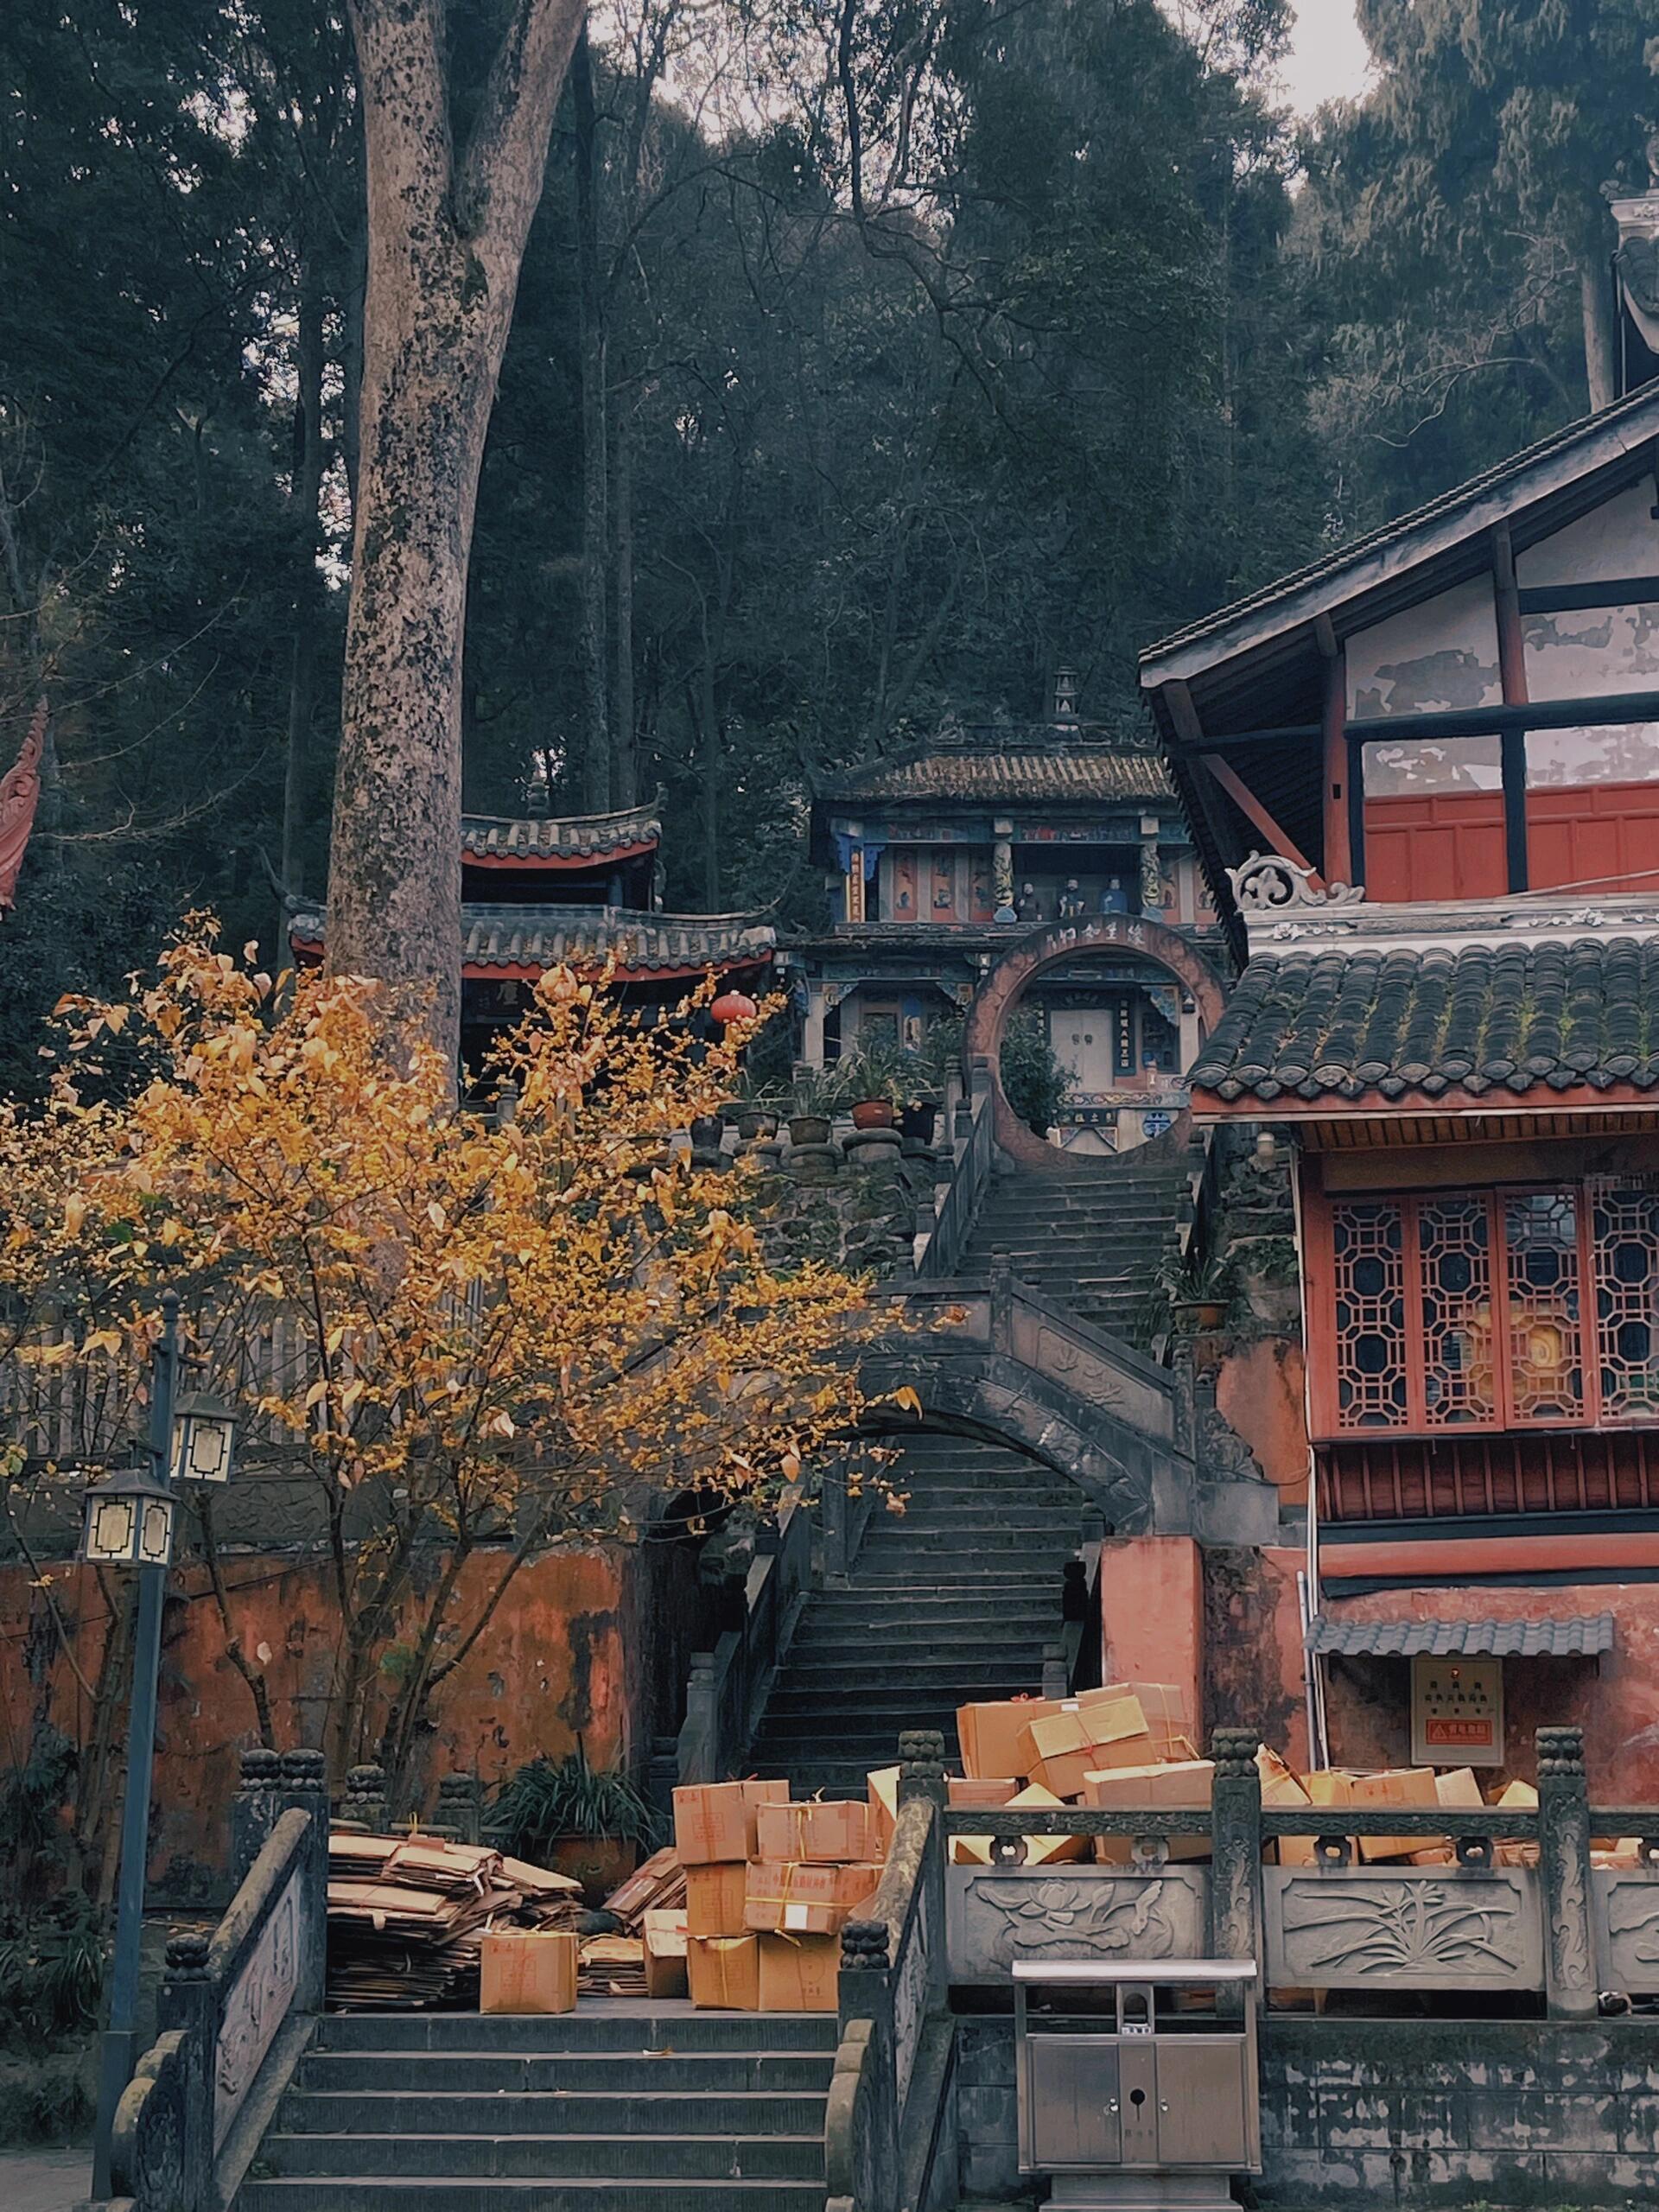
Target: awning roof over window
x=1582, y=1636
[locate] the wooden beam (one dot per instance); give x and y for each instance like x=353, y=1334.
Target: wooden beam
x=1339, y=842
x=1254, y=813
x=1456, y=722
x=1562, y=599
x=1512, y=670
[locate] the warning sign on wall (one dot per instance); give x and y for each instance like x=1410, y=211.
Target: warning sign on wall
x=1456, y=1712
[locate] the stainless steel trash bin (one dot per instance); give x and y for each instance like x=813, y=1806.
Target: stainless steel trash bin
x=1132, y=2107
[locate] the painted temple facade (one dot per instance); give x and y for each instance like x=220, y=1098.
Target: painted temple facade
x=581, y=890
x=939, y=857
x=1423, y=777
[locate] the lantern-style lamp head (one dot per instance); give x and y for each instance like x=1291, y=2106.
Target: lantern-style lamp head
x=733, y=1006
x=204, y=1432
x=129, y=1521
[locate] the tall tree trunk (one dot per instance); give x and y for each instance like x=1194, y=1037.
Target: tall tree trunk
x=709, y=778
x=445, y=240
x=302, y=665
x=1601, y=331
x=625, y=755
x=595, y=780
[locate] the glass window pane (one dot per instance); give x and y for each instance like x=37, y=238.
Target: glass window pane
x=1453, y=1245
x=1371, y=1287
x=1545, y=1373
x=1625, y=1227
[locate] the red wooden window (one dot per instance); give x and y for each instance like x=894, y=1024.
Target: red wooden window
x=1447, y=1312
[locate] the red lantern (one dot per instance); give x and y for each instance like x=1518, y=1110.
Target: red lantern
x=733, y=1006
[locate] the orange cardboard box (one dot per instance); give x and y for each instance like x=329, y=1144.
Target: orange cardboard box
x=988, y=1796
x=799, y=1973
x=1062, y=1747
x=1521, y=1797
x=990, y=1735
x=1402, y=1785
x=1040, y=1850
x=1169, y=1721
x=665, y=1941
x=713, y=1898
x=723, y=1972
x=882, y=1787
x=1282, y=1790
x=799, y=1899
x=826, y=1832
x=527, y=1970
x=714, y=1821
x=1457, y=1788
x=1180, y=1787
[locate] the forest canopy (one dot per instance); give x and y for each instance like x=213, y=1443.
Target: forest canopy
x=870, y=359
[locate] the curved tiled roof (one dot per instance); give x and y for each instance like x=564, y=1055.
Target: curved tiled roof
x=1508, y=1018
x=1580, y=1635
x=507, y=939
x=1051, y=768
x=572, y=837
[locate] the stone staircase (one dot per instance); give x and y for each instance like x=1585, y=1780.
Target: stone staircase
x=623, y=2106
x=1091, y=1238
x=951, y=1601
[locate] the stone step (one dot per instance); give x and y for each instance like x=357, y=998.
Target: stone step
x=407, y=2193
x=643, y=2150
x=587, y=2111
x=910, y=1645
x=804, y=1734
x=437, y=2074
x=808, y=1689
x=637, y=2030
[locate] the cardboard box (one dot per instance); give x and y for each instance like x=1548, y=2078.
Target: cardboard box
x=990, y=1735
x=989, y=1796
x=799, y=1973
x=805, y=1899
x=1169, y=1721
x=827, y=1831
x=882, y=1787
x=1060, y=1748
x=1281, y=1791
x=1040, y=1850
x=714, y=1822
x=713, y=1898
x=527, y=1970
x=1457, y=1788
x=665, y=1940
x=1183, y=1788
x=1520, y=1797
x=723, y=1972
x=1403, y=1785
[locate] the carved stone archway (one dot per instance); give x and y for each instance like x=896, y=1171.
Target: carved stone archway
x=999, y=993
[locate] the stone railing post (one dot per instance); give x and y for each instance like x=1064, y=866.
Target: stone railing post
x=460, y=1806
x=365, y=1801
x=921, y=1766
x=254, y=1810
x=188, y=2001
x=869, y=1996
x=1056, y=1674
x=1564, y=1874
x=1001, y=1305
x=699, y=1734
x=832, y=1520
x=1236, y=1852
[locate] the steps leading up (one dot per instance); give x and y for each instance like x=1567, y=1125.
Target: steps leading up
x=952, y=1599
x=1091, y=1239
x=624, y=2106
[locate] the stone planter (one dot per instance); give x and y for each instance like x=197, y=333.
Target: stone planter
x=1194, y=1316
x=873, y=1113
x=919, y=1122
x=598, y=1862
x=809, y=1129
x=757, y=1122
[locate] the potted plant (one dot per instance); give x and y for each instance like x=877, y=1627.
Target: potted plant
x=1198, y=1290
x=758, y=1105
x=814, y=1096
x=586, y=1821
x=878, y=1077
x=918, y=1117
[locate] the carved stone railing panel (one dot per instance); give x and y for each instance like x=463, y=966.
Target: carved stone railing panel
x=1624, y=1913
x=1403, y=1928
x=994, y=1914
x=151, y=2156
x=257, y=2002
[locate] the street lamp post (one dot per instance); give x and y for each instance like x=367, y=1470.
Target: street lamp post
x=129, y=1522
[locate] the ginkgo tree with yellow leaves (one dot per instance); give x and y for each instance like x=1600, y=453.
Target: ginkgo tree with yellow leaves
x=479, y=1334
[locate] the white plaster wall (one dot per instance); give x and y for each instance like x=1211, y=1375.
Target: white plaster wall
x=1592, y=653
x=1441, y=654
x=1618, y=539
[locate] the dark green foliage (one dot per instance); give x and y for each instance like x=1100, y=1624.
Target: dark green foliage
x=546, y=1799
x=1034, y=1075
x=32, y=1796
x=52, y=1968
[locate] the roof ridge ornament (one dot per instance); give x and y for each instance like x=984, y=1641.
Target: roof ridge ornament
x=1266, y=882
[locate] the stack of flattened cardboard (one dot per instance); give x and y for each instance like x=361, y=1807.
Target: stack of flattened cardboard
x=407, y=1917
x=769, y=1886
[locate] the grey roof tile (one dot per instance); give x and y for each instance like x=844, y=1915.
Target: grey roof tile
x=1580, y=1635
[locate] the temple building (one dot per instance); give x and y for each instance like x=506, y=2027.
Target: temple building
x=939, y=856
x=1423, y=776
x=580, y=891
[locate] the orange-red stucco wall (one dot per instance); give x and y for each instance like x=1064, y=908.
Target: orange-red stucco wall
x=551, y=1666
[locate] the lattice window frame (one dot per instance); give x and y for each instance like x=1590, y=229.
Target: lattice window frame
x=1320, y=1213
